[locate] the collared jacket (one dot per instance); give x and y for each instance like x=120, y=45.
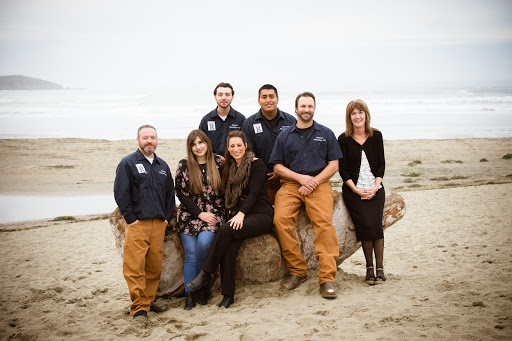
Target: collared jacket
x=306, y=156
x=143, y=190
x=261, y=136
x=217, y=129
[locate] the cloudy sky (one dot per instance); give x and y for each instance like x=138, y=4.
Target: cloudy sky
x=321, y=44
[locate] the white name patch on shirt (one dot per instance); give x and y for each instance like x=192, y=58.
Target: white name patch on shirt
x=211, y=126
x=140, y=168
x=258, y=128
x=319, y=139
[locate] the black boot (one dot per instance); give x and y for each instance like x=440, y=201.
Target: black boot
x=227, y=301
x=190, y=301
x=203, y=295
x=200, y=281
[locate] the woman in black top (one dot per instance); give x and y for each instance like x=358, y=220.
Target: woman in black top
x=362, y=170
x=244, y=181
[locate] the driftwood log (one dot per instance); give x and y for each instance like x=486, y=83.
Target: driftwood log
x=259, y=259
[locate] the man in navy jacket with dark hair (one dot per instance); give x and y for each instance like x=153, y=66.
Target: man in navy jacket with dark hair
x=219, y=122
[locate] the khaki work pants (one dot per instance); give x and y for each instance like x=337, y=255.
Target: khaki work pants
x=142, y=261
x=319, y=208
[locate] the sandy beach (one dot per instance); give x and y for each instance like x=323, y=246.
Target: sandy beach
x=448, y=261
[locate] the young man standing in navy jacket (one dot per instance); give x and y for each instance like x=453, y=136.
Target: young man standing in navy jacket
x=262, y=129
x=219, y=122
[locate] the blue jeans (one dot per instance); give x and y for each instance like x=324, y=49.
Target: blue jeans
x=196, y=248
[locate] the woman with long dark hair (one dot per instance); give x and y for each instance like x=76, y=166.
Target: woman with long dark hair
x=201, y=211
x=362, y=169
x=244, y=181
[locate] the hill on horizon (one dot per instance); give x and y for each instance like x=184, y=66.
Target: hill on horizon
x=19, y=82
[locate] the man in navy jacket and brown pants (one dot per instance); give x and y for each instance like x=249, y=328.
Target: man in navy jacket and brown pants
x=144, y=192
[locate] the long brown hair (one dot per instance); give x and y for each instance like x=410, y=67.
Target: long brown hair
x=358, y=104
x=194, y=172
x=229, y=160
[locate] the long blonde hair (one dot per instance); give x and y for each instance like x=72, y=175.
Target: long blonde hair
x=194, y=172
x=358, y=104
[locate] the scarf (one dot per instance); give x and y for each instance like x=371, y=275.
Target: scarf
x=237, y=180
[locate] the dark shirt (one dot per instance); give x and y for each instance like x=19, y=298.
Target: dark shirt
x=306, y=156
x=143, y=190
x=304, y=132
x=257, y=200
x=351, y=161
x=217, y=129
x=261, y=135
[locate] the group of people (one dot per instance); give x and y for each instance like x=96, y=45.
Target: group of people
x=243, y=178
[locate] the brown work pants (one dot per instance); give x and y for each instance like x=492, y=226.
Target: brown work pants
x=319, y=208
x=142, y=261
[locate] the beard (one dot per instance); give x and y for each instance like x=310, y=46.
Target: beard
x=301, y=117
x=149, y=149
x=224, y=105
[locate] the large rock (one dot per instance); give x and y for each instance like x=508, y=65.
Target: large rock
x=259, y=259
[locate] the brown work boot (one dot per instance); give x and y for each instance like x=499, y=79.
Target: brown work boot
x=293, y=282
x=328, y=290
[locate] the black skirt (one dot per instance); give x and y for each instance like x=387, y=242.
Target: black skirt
x=366, y=214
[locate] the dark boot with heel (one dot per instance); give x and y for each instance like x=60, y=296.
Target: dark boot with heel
x=227, y=301
x=200, y=280
x=202, y=295
x=190, y=301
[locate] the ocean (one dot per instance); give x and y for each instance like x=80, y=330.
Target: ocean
x=442, y=113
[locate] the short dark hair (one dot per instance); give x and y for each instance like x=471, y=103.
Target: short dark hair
x=145, y=126
x=267, y=87
x=223, y=85
x=304, y=94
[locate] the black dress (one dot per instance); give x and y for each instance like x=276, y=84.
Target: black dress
x=366, y=214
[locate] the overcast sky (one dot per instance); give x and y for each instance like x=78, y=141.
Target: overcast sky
x=321, y=44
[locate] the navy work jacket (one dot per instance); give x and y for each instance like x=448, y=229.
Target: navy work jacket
x=217, y=129
x=306, y=156
x=143, y=190
x=261, y=136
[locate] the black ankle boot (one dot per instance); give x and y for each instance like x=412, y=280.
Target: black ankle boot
x=227, y=301
x=200, y=281
x=189, y=300
x=202, y=295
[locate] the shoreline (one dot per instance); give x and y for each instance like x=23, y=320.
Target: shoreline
x=179, y=139
x=75, y=218
x=79, y=167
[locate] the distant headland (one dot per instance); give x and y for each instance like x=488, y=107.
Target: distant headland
x=19, y=82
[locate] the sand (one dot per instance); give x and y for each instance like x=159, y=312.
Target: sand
x=448, y=261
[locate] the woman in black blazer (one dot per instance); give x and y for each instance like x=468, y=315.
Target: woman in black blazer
x=362, y=169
